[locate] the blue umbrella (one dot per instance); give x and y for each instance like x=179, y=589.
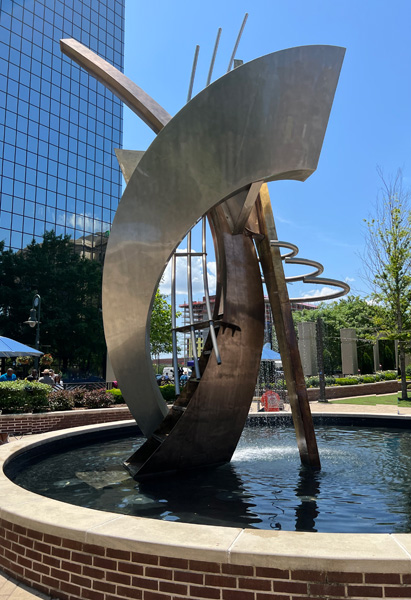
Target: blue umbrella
x=269, y=354
x=10, y=348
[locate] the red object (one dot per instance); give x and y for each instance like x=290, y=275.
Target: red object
x=271, y=401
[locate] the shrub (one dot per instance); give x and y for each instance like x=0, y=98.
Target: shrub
x=13, y=397
x=117, y=396
x=389, y=375
x=98, y=399
x=368, y=379
x=168, y=392
x=37, y=395
x=346, y=380
x=22, y=396
x=313, y=381
x=78, y=397
x=61, y=400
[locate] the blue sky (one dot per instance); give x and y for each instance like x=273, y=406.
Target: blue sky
x=370, y=122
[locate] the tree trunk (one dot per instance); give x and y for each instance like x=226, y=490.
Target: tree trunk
x=401, y=350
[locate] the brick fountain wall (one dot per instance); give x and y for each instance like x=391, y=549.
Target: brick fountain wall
x=72, y=570
x=74, y=553
x=24, y=423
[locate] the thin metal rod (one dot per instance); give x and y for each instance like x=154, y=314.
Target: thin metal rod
x=237, y=42
x=210, y=72
x=207, y=296
x=190, y=307
x=193, y=73
x=174, y=324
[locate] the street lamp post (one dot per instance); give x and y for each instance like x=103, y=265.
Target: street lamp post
x=34, y=321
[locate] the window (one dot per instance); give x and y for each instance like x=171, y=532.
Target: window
x=30, y=192
x=27, y=239
x=39, y=227
x=22, y=124
x=16, y=240
x=28, y=225
x=25, y=63
x=61, y=186
x=5, y=219
x=51, y=198
x=71, y=189
x=17, y=222
x=42, y=164
x=52, y=167
x=29, y=209
x=11, y=103
x=19, y=173
x=51, y=183
x=41, y=180
x=61, y=201
x=6, y=202
x=50, y=214
x=5, y=237
x=40, y=212
x=31, y=176
x=23, y=109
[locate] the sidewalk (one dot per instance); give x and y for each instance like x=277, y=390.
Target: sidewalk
x=10, y=589
x=331, y=408
x=379, y=409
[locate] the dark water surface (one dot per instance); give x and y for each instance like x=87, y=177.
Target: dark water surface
x=364, y=485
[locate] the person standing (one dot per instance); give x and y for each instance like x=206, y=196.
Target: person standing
x=45, y=378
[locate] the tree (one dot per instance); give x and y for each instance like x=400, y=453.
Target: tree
x=387, y=265
x=70, y=289
x=160, y=326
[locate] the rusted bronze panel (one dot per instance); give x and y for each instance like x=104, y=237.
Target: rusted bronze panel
x=209, y=428
x=273, y=271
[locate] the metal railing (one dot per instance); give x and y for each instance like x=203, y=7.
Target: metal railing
x=89, y=385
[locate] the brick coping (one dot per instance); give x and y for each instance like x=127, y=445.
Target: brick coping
x=379, y=553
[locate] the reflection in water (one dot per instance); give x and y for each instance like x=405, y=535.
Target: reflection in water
x=213, y=495
x=364, y=485
x=307, y=491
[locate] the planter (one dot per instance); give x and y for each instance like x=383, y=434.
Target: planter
x=349, y=391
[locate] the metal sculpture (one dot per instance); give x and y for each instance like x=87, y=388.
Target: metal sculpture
x=263, y=121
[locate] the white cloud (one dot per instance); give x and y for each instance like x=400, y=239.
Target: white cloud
x=349, y=279
x=196, y=277
x=324, y=291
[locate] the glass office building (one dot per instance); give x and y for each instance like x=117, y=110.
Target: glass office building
x=58, y=126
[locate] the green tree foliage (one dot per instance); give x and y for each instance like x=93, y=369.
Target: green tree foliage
x=353, y=312
x=71, y=326
x=160, y=327
x=387, y=263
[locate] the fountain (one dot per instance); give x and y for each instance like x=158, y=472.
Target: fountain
x=262, y=122
x=212, y=160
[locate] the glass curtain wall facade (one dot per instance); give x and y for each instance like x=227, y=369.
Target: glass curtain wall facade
x=58, y=126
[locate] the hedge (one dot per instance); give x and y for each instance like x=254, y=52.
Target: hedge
x=352, y=379
x=23, y=396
